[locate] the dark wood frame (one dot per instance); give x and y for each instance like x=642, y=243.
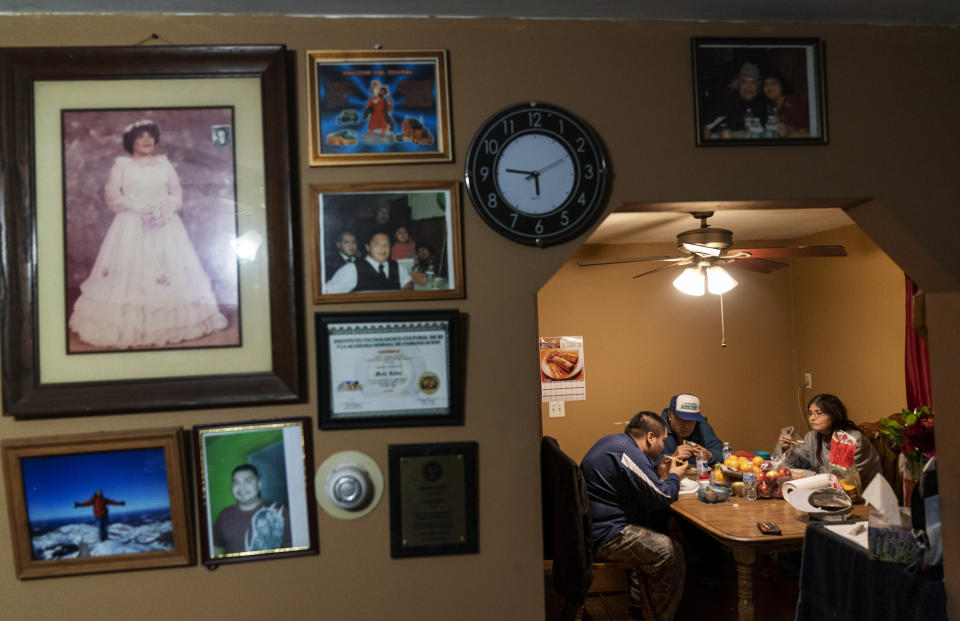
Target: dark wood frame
x=325, y=389
x=170, y=439
x=453, y=247
x=25, y=394
x=471, y=542
x=816, y=81
x=308, y=470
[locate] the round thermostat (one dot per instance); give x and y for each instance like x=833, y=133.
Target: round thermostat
x=348, y=485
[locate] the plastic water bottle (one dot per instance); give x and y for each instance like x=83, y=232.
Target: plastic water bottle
x=748, y=123
x=772, y=128
x=727, y=451
x=749, y=486
x=756, y=129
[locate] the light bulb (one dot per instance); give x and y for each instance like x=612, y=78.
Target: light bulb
x=719, y=281
x=690, y=281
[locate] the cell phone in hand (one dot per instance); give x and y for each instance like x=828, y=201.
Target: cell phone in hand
x=769, y=528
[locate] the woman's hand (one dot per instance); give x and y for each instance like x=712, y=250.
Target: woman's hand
x=785, y=441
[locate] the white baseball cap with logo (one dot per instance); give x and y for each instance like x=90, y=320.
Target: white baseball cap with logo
x=686, y=407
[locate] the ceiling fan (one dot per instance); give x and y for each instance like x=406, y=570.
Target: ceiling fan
x=703, y=250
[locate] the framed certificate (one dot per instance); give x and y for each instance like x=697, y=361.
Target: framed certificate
x=388, y=369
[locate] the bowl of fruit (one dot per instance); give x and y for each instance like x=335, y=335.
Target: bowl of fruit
x=738, y=463
x=771, y=477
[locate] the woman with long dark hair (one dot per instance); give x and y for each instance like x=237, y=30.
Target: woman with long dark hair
x=826, y=416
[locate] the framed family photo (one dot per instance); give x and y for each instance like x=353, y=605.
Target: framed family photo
x=256, y=490
x=386, y=241
x=755, y=91
x=378, y=107
x=98, y=502
x=389, y=369
x=148, y=243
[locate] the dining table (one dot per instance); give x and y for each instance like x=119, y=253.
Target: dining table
x=734, y=524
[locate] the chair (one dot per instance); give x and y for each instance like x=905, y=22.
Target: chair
x=889, y=461
x=567, y=549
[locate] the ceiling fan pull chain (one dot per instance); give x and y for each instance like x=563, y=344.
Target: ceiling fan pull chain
x=723, y=330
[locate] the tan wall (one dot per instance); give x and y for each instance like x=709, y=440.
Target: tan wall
x=632, y=82
x=850, y=316
x=645, y=341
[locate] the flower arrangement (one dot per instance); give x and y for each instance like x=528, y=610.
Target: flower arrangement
x=912, y=436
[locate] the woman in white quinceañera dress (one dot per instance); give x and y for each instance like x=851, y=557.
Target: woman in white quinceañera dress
x=147, y=288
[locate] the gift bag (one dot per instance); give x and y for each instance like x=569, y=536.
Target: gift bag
x=843, y=448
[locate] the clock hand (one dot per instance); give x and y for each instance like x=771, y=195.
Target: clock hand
x=536, y=182
x=550, y=165
x=528, y=173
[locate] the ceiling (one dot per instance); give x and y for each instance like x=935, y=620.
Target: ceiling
x=746, y=224
x=892, y=12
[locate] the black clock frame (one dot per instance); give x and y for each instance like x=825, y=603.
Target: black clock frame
x=585, y=201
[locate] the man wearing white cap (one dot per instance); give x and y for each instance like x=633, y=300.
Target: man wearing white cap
x=686, y=423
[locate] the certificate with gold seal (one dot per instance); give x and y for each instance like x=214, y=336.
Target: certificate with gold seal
x=388, y=369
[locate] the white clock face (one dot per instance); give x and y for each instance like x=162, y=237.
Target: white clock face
x=535, y=173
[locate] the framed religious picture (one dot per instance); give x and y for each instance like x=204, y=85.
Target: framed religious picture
x=759, y=91
x=433, y=499
x=148, y=248
x=386, y=241
x=389, y=369
x=98, y=502
x=256, y=490
x=378, y=107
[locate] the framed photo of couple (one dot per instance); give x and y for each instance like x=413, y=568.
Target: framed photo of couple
x=98, y=502
x=256, y=490
x=143, y=271
x=753, y=91
x=378, y=107
x=386, y=241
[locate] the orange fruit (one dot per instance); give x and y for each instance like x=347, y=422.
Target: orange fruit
x=757, y=460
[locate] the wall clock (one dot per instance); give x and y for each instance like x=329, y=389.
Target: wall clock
x=536, y=173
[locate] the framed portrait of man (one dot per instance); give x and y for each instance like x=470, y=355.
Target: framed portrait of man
x=256, y=490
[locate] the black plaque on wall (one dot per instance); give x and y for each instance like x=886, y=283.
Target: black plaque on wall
x=433, y=499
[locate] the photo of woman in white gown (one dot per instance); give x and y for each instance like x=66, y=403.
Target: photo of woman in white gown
x=148, y=287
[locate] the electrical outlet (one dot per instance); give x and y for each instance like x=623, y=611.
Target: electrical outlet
x=808, y=380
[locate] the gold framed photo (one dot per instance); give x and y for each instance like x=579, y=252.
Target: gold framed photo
x=378, y=107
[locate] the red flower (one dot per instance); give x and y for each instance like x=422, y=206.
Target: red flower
x=919, y=436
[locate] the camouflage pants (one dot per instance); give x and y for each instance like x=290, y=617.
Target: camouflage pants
x=658, y=562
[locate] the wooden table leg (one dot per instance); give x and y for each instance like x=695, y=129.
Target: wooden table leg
x=746, y=558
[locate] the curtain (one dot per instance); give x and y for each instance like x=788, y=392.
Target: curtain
x=916, y=360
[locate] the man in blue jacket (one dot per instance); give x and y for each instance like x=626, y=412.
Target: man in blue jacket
x=625, y=494
x=686, y=422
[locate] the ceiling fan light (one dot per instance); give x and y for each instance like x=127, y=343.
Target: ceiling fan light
x=719, y=281
x=690, y=281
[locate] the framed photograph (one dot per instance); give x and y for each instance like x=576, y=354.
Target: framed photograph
x=433, y=499
x=98, y=502
x=256, y=490
x=378, y=107
x=386, y=241
x=148, y=249
x=759, y=91
x=389, y=369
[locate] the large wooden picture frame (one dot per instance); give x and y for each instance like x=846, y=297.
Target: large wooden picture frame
x=758, y=91
x=378, y=107
x=420, y=222
x=98, y=502
x=255, y=485
x=225, y=126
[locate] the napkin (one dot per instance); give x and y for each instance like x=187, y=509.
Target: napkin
x=881, y=497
